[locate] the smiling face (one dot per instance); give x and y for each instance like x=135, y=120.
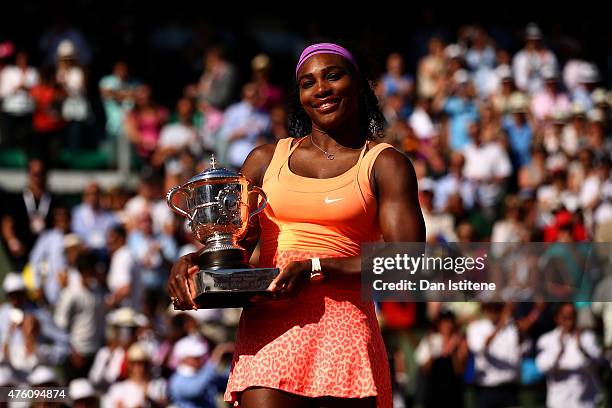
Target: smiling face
x=329, y=92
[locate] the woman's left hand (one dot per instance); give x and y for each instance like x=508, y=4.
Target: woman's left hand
x=290, y=277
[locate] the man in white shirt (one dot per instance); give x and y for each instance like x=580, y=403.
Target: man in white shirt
x=123, y=279
x=569, y=357
x=529, y=62
x=494, y=341
x=487, y=166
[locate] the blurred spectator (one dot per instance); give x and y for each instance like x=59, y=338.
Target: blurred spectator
x=271, y=95
x=494, y=341
x=152, y=254
x=551, y=98
x=454, y=183
x=16, y=82
x=75, y=108
x=500, y=96
x=278, y=125
x=431, y=69
x=528, y=64
x=117, y=93
x=568, y=356
x=80, y=312
x=195, y=383
x=218, y=80
x=442, y=356
x=211, y=123
x=509, y=228
x=458, y=102
x=588, y=77
x=396, y=81
x=176, y=137
x=139, y=389
x=123, y=280
x=61, y=31
x=143, y=123
x=243, y=124
x=420, y=120
x=92, y=222
x=480, y=59
x=574, y=132
x=519, y=130
x=110, y=362
x=27, y=214
x=439, y=225
x=487, y=166
x=149, y=200
x=533, y=174
x=47, y=257
x=47, y=122
x=82, y=394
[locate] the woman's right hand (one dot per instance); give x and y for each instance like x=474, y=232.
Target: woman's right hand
x=180, y=285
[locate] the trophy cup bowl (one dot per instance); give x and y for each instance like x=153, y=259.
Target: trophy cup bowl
x=218, y=214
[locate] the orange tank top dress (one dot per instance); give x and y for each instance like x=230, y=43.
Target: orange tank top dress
x=324, y=341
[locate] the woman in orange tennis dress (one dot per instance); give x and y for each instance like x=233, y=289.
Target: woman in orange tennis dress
x=329, y=189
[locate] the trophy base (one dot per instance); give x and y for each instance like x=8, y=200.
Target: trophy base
x=236, y=287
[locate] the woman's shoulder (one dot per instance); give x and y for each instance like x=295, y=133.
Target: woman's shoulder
x=257, y=162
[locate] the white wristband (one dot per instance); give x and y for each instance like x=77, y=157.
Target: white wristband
x=316, y=275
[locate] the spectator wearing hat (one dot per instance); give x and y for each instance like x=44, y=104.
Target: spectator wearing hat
x=110, y=362
x=92, y=222
x=80, y=312
x=43, y=376
x=139, y=389
x=22, y=321
x=529, y=62
x=519, y=129
x=550, y=99
x=47, y=258
x=588, y=78
x=195, y=383
x=574, y=132
x=568, y=357
x=503, y=90
x=82, y=394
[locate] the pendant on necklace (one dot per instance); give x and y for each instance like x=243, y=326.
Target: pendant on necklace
x=330, y=156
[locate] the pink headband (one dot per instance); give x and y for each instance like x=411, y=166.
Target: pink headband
x=325, y=48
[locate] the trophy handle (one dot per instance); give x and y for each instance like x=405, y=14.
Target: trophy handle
x=174, y=207
x=259, y=191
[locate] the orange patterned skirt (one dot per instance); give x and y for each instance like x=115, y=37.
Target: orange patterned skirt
x=324, y=341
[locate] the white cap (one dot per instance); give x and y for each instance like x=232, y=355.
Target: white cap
x=13, y=282
x=137, y=353
x=461, y=77
x=6, y=376
x=596, y=115
x=80, y=388
x=599, y=96
x=42, y=375
x=518, y=102
x=503, y=72
x=127, y=317
x=578, y=109
x=588, y=73
x=71, y=240
x=189, y=346
x=66, y=49
x=533, y=32
x=453, y=51
x=558, y=117
x=549, y=73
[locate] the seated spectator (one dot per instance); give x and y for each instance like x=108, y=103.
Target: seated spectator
x=123, y=280
x=117, y=93
x=550, y=99
x=218, y=80
x=529, y=62
x=271, y=95
x=82, y=394
x=569, y=356
x=396, y=81
x=519, y=131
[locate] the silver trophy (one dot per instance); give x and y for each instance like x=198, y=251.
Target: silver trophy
x=218, y=214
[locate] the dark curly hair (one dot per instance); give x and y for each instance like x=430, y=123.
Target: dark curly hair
x=371, y=119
